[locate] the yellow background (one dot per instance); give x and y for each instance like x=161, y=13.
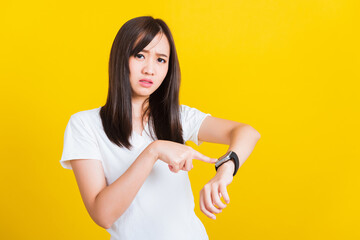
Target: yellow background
x=289, y=68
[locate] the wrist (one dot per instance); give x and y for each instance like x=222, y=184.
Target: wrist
x=227, y=157
x=152, y=150
x=227, y=168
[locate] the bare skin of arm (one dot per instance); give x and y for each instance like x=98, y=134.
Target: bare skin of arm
x=241, y=139
x=101, y=201
x=105, y=204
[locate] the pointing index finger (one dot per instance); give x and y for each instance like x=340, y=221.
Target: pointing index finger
x=199, y=156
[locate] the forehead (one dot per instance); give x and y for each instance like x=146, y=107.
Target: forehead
x=159, y=44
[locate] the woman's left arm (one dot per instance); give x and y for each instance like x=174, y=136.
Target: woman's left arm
x=241, y=139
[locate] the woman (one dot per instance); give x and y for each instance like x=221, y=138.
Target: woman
x=129, y=157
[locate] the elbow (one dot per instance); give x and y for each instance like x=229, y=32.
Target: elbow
x=104, y=215
x=106, y=226
x=101, y=214
x=255, y=133
x=104, y=223
x=105, y=218
x=102, y=219
x=250, y=131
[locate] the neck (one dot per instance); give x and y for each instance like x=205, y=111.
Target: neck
x=138, y=107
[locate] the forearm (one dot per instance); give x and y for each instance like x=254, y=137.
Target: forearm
x=112, y=202
x=242, y=141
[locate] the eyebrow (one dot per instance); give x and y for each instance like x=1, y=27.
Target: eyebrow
x=159, y=54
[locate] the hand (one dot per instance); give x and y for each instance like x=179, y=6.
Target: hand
x=211, y=193
x=178, y=156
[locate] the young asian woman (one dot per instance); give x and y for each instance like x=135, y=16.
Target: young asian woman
x=129, y=156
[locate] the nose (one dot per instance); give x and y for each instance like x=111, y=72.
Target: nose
x=149, y=67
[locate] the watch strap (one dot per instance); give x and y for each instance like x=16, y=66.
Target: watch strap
x=233, y=157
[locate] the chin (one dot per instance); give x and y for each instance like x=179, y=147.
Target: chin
x=143, y=94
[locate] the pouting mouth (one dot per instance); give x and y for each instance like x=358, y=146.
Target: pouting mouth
x=146, y=80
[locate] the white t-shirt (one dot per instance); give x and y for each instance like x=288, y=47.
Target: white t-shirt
x=163, y=208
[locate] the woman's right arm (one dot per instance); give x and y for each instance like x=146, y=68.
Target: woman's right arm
x=106, y=204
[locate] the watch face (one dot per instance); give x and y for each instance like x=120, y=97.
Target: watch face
x=222, y=159
x=229, y=155
x=226, y=155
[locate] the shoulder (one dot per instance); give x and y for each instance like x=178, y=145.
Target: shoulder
x=191, y=120
x=88, y=119
x=184, y=109
x=84, y=122
x=191, y=114
x=90, y=115
x=187, y=110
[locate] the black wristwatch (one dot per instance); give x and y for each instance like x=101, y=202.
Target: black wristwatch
x=227, y=157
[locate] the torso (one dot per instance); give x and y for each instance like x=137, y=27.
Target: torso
x=165, y=198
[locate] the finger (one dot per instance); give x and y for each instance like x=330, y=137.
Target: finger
x=171, y=168
x=188, y=165
x=183, y=165
x=215, y=197
x=224, y=193
x=175, y=168
x=199, y=156
x=209, y=203
x=204, y=210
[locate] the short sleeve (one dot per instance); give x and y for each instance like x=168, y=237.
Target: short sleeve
x=79, y=143
x=191, y=120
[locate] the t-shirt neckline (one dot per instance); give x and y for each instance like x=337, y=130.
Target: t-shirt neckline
x=143, y=131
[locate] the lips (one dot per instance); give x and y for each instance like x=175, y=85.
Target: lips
x=147, y=83
x=146, y=80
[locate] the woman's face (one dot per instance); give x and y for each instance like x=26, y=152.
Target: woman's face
x=149, y=67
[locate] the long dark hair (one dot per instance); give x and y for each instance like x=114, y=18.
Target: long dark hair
x=163, y=105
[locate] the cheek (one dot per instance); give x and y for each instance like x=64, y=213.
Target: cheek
x=163, y=75
x=165, y=71
x=133, y=67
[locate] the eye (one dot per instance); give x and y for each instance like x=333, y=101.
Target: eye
x=162, y=60
x=139, y=55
